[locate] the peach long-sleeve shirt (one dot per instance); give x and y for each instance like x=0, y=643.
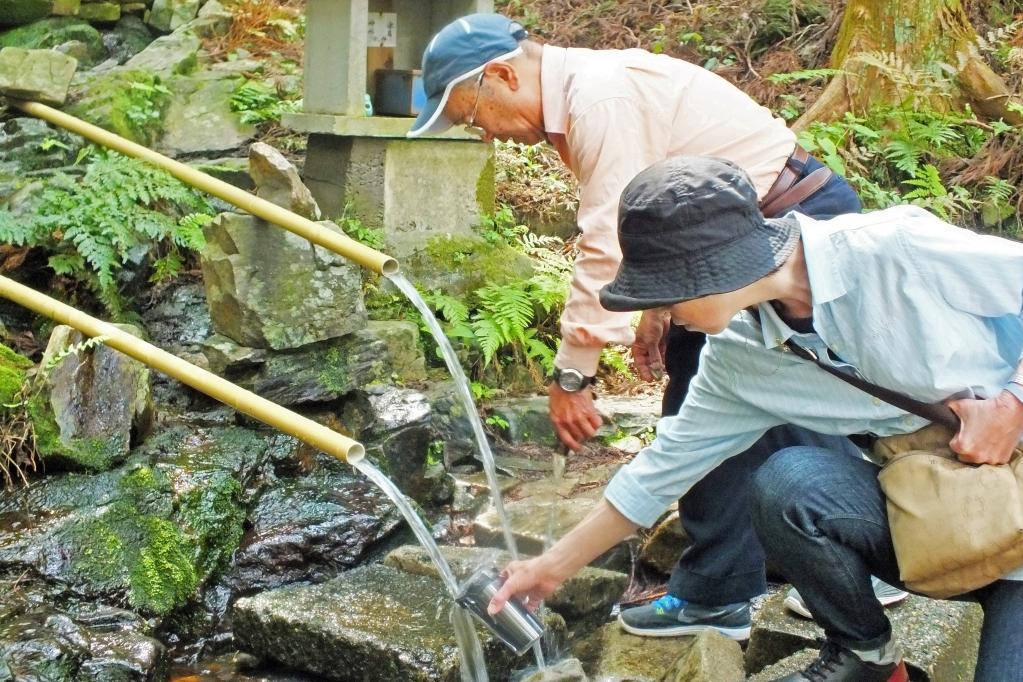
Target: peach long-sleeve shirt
x=612, y=113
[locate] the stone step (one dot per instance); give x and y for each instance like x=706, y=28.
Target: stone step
x=613, y=654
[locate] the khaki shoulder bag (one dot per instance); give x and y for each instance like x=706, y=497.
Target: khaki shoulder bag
x=955, y=526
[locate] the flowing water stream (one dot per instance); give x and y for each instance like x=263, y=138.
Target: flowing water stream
x=469, y=406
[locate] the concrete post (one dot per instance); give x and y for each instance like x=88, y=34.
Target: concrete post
x=335, y=56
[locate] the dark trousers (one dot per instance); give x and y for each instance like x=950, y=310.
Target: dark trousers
x=823, y=520
x=725, y=562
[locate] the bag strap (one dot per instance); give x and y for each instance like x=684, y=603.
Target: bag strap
x=934, y=412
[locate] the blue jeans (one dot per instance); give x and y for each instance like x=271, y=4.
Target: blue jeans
x=822, y=519
x=724, y=562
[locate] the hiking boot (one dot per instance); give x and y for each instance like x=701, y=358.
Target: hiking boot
x=670, y=616
x=885, y=593
x=838, y=664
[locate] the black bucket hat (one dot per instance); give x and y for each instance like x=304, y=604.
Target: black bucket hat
x=690, y=227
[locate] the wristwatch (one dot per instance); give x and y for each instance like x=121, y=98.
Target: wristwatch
x=1015, y=386
x=572, y=380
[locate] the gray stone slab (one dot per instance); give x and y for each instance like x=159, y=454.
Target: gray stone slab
x=38, y=75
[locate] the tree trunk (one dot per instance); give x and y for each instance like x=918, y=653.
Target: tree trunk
x=910, y=52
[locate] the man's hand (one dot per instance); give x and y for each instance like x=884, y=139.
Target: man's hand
x=532, y=581
x=990, y=428
x=573, y=414
x=651, y=342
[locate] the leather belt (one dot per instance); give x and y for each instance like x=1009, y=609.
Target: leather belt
x=791, y=189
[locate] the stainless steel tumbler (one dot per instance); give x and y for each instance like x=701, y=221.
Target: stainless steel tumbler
x=514, y=624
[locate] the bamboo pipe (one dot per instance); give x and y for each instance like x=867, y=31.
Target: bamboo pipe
x=261, y=208
x=268, y=412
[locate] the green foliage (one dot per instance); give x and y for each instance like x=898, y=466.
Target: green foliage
x=806, y=75
x=120, y=213
x=257, y=102
x=895, y=155
x=353, y=227
x=502, y=227
x=434, y=453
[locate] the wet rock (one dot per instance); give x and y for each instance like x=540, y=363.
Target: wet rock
x=663, y=546
x=173, y=54
x=528, y=420
x=22, y=149
x=373, y=618
x=565, y=670
x=38, y=75
x=169, y=15
x=472, y=491
x=40, y=641
x=269, y=288
x=710, y=657
x=278, y=182
x=199, y=118
x=451, y=423
x=99, y=398
x=394, y=425
x=309, y=529
x=585, y=598
x=939, y=638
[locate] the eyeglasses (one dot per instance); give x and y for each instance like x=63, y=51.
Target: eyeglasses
x=470, y=123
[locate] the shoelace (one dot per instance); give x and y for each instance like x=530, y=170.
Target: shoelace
x=667, y=603
x=827, y=662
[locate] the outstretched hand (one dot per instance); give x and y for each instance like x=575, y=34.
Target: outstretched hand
x=990, y=428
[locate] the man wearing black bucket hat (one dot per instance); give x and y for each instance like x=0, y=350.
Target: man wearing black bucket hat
x=774, y=293
x=610, y=114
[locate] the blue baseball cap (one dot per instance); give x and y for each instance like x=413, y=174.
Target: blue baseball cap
x=458, y=52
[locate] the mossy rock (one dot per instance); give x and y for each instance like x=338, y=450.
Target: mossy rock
x=460, y=265
x=18, y=12
x=13, y=368
x=50, y=33
x=129, y=103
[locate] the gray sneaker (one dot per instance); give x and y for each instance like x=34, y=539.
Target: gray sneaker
x=885, y=593
x=670, y=616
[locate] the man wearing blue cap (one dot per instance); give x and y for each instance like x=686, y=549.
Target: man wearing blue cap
x=610, y=114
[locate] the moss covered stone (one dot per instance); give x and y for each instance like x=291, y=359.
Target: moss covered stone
x=16, y=12
x=50, y=33
x=212, y=514
x=460, y=265
x=13, y=368
x=90, y=454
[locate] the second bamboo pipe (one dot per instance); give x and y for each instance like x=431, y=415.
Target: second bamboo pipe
x=257, y=206
x=268, y=412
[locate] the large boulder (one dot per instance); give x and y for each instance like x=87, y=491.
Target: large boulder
x=373, y=622
x=270, y=288
x=199, y=118
x=127, y=39
x=95, y=401
x=613, y=654
x=36, y=75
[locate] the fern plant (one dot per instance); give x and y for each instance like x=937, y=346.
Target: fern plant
x=120, y=213
x=257, y=102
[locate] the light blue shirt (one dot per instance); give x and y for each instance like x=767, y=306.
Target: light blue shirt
x=908, y=301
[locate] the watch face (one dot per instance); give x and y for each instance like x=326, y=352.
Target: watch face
x=571, y=380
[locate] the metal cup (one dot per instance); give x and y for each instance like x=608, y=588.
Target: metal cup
x=514, y=624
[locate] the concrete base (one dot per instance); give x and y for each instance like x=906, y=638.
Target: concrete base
x=413, y=190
